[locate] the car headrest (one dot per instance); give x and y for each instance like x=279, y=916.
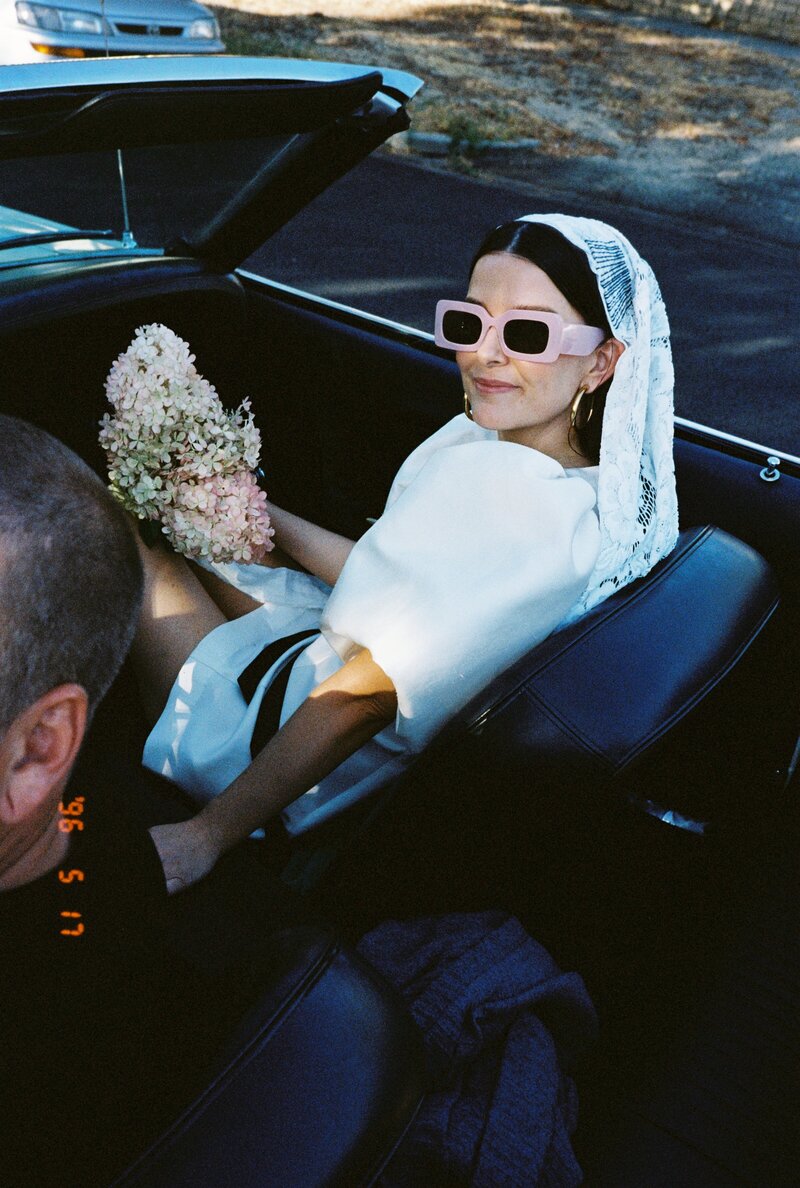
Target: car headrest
x=651, y=711
x=594, y=699
x=612, y=683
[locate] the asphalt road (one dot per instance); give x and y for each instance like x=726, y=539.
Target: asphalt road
x=393, y=237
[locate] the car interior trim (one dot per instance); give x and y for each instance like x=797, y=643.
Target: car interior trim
x=98, y=282
x=690, y=430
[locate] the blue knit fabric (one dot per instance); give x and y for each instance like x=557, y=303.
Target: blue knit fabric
x=501, y=1025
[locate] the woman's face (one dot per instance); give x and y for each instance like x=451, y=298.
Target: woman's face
x=528, y=403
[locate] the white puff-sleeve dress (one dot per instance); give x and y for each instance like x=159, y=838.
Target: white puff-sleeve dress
x=483, y=549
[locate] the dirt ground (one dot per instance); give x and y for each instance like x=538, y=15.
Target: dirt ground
x=580, y=84
x=680, y=119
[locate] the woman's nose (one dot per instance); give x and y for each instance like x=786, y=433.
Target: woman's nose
x=492, y=346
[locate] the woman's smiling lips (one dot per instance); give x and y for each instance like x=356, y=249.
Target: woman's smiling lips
x=487, y=386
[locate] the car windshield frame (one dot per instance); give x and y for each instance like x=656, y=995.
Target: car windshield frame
x=311, y=116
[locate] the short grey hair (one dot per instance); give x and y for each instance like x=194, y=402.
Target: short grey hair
x=70, y=573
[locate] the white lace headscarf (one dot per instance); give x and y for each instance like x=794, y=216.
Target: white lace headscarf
x=637, y=503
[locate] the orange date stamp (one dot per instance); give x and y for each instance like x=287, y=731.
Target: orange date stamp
x=70, y=819
x=70, y=815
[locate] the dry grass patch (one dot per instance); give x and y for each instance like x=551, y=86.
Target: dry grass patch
x=500, y=70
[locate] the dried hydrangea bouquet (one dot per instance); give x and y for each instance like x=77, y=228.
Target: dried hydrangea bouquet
x=178, y=460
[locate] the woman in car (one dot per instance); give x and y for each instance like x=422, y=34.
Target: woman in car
x=300, y=686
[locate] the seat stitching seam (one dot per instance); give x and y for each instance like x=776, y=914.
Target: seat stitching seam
x=240, y=1061
x=720, y=672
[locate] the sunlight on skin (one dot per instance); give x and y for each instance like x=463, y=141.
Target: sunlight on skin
x=170, y=601
x=176, y=615
x=338, y=717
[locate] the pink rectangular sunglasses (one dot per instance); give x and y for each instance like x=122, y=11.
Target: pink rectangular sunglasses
x=534, y=335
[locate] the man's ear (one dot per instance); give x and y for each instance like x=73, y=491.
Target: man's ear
x=38, y=750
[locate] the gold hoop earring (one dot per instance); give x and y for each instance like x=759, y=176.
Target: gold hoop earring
x=468, y=407
x=576, y=410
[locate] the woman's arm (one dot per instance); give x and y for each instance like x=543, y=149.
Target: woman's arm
x=337, y=718
x=321, y=552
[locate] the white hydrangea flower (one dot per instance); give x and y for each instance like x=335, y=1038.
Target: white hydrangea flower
x=176, y=455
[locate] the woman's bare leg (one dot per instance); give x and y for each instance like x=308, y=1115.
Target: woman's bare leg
x=176, y=614
x=231, y=601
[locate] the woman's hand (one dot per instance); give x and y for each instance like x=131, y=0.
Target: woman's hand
x=187, y=850
x=321, y=552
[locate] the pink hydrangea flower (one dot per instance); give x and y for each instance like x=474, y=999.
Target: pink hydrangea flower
x=176, y=455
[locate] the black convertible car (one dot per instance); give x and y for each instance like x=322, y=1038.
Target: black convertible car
x=626, y=790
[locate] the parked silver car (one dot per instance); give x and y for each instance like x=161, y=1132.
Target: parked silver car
x=31, y=31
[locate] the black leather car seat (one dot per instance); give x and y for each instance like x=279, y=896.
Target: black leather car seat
x=627, y=708
x=554, y=795
x=316, y=1087
x=654, y=700
x=612, y=691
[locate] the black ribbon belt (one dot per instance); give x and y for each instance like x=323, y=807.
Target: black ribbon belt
x=269, y=713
